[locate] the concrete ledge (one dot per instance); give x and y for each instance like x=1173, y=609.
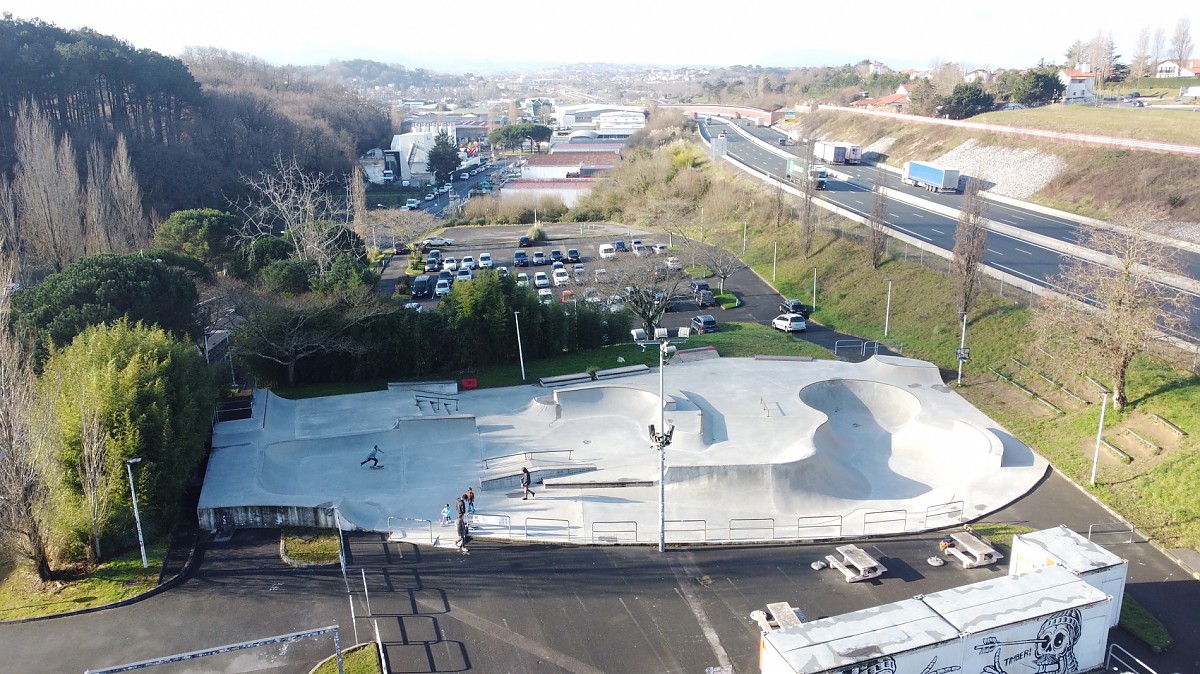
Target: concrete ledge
x=565, y=379
x=621, y=371
x=800, y=359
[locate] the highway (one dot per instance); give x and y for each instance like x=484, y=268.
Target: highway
x=1016, y=256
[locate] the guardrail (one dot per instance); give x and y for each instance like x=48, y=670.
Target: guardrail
x=818, y=522
x=687, y=527
x=619, y=528
x=427, y=524
x=1125, y=660
x=885, y=517
x=1125, y=527
x=566, y=525
x=763, y=524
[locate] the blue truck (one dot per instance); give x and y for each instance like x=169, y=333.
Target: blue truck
x=930, y=176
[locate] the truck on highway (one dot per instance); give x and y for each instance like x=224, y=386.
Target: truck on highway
x=796, y=172
x=930, y=176
x=837, y=153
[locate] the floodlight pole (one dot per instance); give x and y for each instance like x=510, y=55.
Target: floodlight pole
x=813, y=306
x=962, y=344
x=520, y=351
x=887, y=314
x=660, y=440
x=136, y=516
x=1099, y=433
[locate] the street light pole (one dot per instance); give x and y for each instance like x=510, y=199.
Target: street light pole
x=1099, y=433
x=887, y=314
x=520, y=351
x=813, y=306
x=136, y=516
x=661, y=439
x=962, y=344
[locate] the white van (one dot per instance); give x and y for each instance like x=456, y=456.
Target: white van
x=412, y=204
x=607, y=251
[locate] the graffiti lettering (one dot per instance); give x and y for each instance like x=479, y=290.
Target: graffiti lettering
x=1019, y=656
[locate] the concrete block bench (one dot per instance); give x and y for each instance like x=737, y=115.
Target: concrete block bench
x=621, y=371
x=564, y=380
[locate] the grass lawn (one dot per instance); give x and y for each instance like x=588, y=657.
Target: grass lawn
x=22, y=595
x=1172, y=126
x=362, y=659
x=311, y=546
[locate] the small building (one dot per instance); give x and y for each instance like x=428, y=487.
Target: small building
x=568, y=190
x=1177, y=68
x=591, y=116
x=980, y=75
x=558, y=165
x=1078, y=84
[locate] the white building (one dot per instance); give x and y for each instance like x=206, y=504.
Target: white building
x=585, y=116
x=1078, y=84
x=1176, y=68
x=410, y=151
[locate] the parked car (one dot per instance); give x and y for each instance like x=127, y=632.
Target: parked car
x=413, y=306
x=520, y=259
x=464, y=274
x=794, y=307
x=446, y=275
x=545, y=295
x=705, y=298
x=619, y=246
x=432, y=264
x=422, y=286
x=467, y=262
x=429, y=197
x=524, y=242
x=464, y=176
x=435, y=255
x=704, y=324
x=659, y=248
x=444, y=188
x=523, y=280
x=561, y=277
x=502, y=271
x=442, y=288
x=573, y=255
x=789, y=323
x=556, y=255
x=640, y=250
x=568, y=296
x=601, y=275
x=607, y=251
x=485, y=261
x=539, y=258
x=437, y=242
x=674, y=264
x=697, y=286
x=540, y=280
x=450, y=264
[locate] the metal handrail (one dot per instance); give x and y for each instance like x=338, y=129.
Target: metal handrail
x=953, y=509
x=770, y=520
x=528, y=455
x=482, y=520
x=846, y=344
x=869, y=520
x=827, y=522
x=1128, y=527
x=1125, y=659
x=428, y=524
x=547, y=519
x=703, y=528
x=614, y=539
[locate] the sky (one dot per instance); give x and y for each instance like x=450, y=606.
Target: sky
x=486, y=37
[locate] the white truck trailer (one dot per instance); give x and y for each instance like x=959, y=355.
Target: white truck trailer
x=1060, y=546
x=1047, y=620
x=930, y=176
x=837, y=153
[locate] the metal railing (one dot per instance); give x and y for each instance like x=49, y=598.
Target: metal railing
x=953, y=509
x=1125, y=528
x=752, y=524
x=566, y=525
x=428, y=525
x=614, y=531
x=528, y=456
x=885, y=517
x=818, y=522
x=687, y=527
x=1120, y=659
x=847, y=344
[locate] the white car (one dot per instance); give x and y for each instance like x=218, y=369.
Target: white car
x=789, y=323
x=429, y=197
x=546, y=295
x=540, y=280
x=444, y=189
x=522, y=280
x=413, y=306
x=464, y=274
x=674, y=263
x=607, y=251
x=485, y=260
x=449, y=264
x=561, y=277
x=601, y=275
x=438, y=242
x=659, y=248
x=464, y=176
x=442, y=288
x=467, y=262
x=640, y=250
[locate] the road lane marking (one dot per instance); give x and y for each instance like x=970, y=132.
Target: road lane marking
x=937, y=230
x=1021, y=250
x=995, y=251
x=684, y=585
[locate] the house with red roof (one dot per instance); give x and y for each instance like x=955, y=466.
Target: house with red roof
x=1079, y=84
x=1177, y=68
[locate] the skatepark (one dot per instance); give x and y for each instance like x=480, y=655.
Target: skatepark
x=762, y=450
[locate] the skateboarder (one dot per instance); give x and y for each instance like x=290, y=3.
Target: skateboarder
x=446, y=521
x=470, y=498
x=526, y=480
x=371, y=457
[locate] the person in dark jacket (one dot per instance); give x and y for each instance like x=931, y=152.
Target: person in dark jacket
x=526, y=480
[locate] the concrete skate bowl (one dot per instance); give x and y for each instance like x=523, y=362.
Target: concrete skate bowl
x=635, y=408
x=873, y=449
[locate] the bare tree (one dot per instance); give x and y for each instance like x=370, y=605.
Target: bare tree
x=288, y=200
x=810, y=189
x=1181, y=40
x=723, y=263
x=970, y=245
x=877, y=222
x=46, y=186
x=97, y=207
x=93, y=469
x=25, y=504
x=1158, y=48
x=1126, y=304
x=129, y=229
x=646, y=285
x=1139, y=65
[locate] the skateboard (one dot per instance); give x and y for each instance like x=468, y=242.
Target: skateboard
x=376, y=467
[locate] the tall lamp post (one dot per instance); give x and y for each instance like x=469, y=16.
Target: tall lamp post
x=813, y=306
x=136, y=516
x=963, y=354
x=662, y=439
x=887, y=314
x=520, y=351
x=1099, y=433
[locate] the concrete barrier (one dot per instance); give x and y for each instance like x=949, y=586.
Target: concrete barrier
x=564, y=379
x=621, y=371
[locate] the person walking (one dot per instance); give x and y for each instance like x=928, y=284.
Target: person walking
x=470, y=497
x=526, y=480
x=372, y=457
x=446, y=521
x=463, y=532
x=460, y=507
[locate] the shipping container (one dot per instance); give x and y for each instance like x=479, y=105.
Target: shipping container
x=1047, y=620
x=1097, y=566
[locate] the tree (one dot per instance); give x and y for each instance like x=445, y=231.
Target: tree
x=1157, y=48
x=205, y=234
x=648, y=287
x=924, y=99
x=970, y=245
x=720, y=261
x=443, y=158
x=877, y=222
x=105, y=288
x=808, y=215
x=968, y=99
x=1127, y=299
x=1076, y=54
x=27, y=513
x=46, y=188
x=1181, y=40
x=1037, y=87
x=1140, y=65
